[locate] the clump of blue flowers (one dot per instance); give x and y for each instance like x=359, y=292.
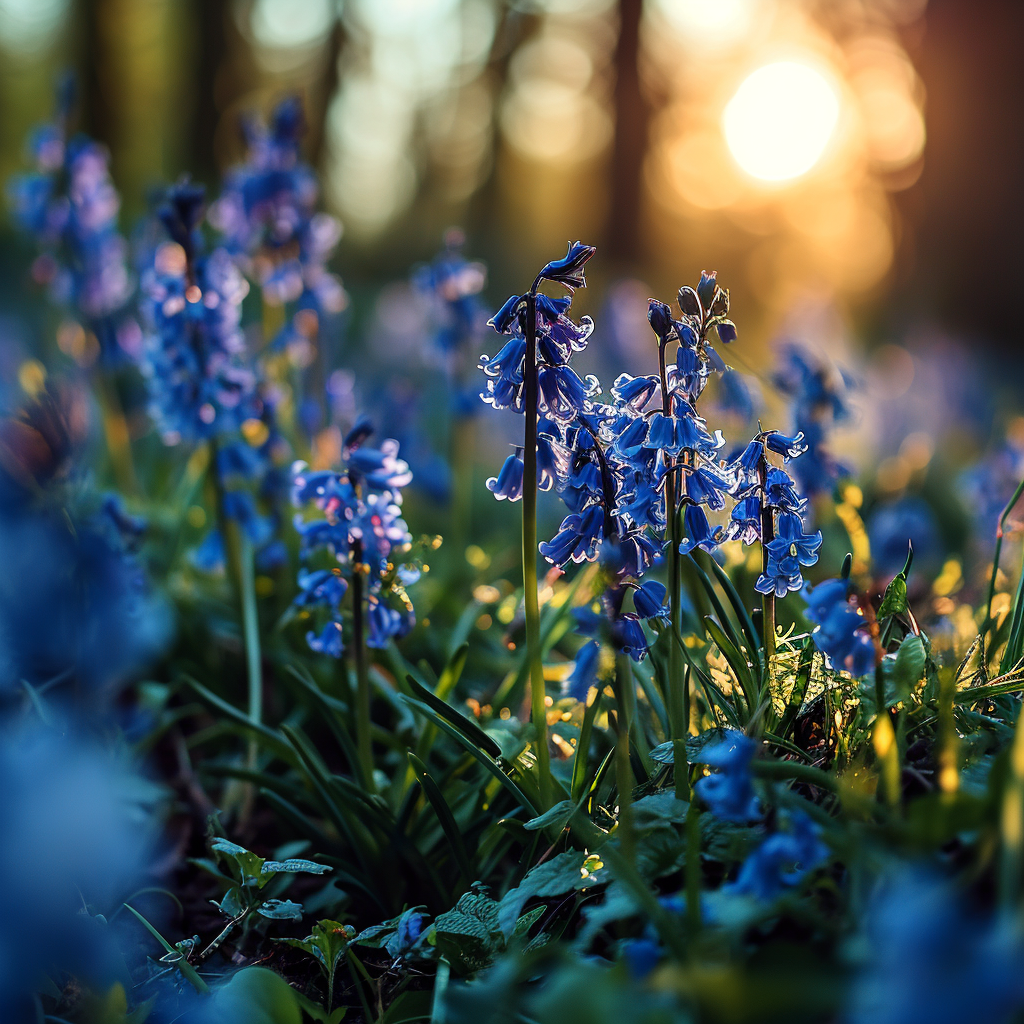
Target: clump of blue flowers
x=70, y=206
x=841, y=631
x=360, y=527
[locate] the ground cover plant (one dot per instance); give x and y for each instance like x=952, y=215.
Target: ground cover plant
x=711, y=748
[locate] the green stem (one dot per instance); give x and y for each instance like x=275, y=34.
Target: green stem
x=767, y=536
x=539, y=711
x=995, y=556
x=623, y=769
x=678, y=696
x=364, y=749
x=251, y=631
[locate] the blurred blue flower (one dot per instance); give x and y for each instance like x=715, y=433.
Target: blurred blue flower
x=781, y=861
x=891, y=527
x=841, y=633
x=932, y=962
x=76, y=829
x=729, y=792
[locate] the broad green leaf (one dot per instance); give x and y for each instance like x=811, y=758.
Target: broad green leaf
x=233, y=902
x=555, y=877
x=256, y=995
x=469, y=935
x=909, y=666
x=894, y=600
x=558, y=817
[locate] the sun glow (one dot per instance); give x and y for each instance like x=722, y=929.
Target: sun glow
x=780, y=120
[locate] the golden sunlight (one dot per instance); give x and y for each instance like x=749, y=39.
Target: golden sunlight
x=780, y=120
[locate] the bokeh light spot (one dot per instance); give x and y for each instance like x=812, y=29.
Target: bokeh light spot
x=780, y=120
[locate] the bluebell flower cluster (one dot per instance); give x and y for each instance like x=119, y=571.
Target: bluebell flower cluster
x=77, y=615
x=454, y=284
x=70, y=207
x=563, y=393
x=361, y=530
x=616, y=460
x=818, y=393
x=199, y=378
x=729, y=792
x=841, y=632
x=268, y=219
x=770, y=509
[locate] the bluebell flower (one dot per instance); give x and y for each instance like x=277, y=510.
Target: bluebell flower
x=737, y=395
x=78, y=835
x=729, y=792
x=818, y=393
x=629, y=636
x=781, y=861
x=362, y=528
x=578, y=538
x=324, y=586
x=385, y=623
x=637, y=553
x=634, y=392
x=199, y=382
x=569, y=270
x=699, y=533
x=328, y=641
x=745, y=520
x=791, y=540
x=780, y=577
x=649, y=600
x=454, y=284
x=584, y=671
x=705, y=486
x=70, y=206
x=790, y=447
x=563, y=395
x=75, y=602
x=781, y=493
x=509, y=482
x=841, y=633
x=641, y=957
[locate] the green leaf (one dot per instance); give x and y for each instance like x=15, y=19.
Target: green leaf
x=280, y=910
x=469, y=729
x=316, y=1012
x=910, y=663
x=558, y=817
x=234, y=902
x=555, y=877
x=469, y=935
x=250, y=866
x=528, y=920
x=295, y=864
x=894, y=600
x=256, y=995
x=175, y=956
x=444, y=815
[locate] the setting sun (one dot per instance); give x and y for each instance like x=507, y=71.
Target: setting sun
x=780, y=120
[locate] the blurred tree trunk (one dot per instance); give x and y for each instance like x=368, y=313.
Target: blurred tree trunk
x=631, y=121
x=210, y=46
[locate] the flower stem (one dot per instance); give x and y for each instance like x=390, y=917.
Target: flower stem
x=678, y=689
x=251, y=632
x=995, y=556
x=767, y=536
x=531, y=605
x=364, y=750
x=623, y=769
